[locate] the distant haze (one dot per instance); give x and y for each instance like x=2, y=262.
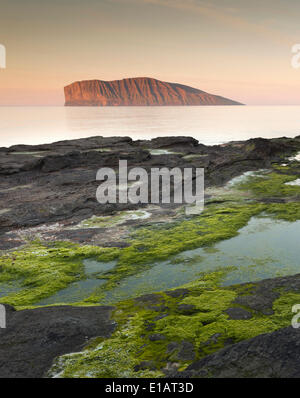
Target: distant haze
x=238, y=49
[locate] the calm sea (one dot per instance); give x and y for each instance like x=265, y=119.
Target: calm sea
x=210, y=125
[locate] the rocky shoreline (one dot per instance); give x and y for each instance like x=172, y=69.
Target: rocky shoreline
x=56, y=183
x=51, y=221
x=35, y=338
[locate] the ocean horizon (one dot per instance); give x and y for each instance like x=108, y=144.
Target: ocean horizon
x=210, y=125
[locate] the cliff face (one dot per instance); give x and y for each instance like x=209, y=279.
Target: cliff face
x=139, y=91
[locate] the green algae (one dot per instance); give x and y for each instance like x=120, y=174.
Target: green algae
x=112, y=358
x=214, y=224
x=119, y=355
x=272, y=185
x=208, y=329
x=284, y=211
x=158, y=243
x=42, y=269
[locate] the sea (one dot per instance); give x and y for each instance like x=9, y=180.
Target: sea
x=209, y=125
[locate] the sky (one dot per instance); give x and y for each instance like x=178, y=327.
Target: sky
x=237, y=49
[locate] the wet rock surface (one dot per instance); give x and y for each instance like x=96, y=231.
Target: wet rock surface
x=41, y=185
x=33, y=338
x=183, y=351
x=261, y=295
x=267, y=355
x=270, y=355
x=48, y=190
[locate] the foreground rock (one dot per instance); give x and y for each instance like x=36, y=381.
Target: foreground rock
x=166, y=331
x=270, y=355
x=56, y=183
x=33, y=338
x=49, y=194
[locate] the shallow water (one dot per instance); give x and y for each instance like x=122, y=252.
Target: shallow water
x=264, y=248
x=6, y=289
x=244, y=177
x=294, y=182
x=161, y=152
x=80, y=290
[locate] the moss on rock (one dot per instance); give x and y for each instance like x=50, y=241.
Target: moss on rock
x=151, y=332
x=39, y=269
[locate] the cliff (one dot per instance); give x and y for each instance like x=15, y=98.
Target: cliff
x=141, y=91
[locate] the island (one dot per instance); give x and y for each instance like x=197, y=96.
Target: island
x=140, y=91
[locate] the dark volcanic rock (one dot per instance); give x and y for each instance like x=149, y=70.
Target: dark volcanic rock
x=265, y=292
x=169, y=142
x=33, y=338
x=238, y=313
x=183, y=351
x=275, y=355
x=50, y=183
x=186, y=309
x=80, y=144
x=78, y=235
x=156, y=337
x=145, y=365
x=177, y=293
x=148, y=299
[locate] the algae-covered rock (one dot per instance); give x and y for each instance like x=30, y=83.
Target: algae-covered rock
x=270, y=355
x=50, y=191
x=140, y=338
x=148, y=344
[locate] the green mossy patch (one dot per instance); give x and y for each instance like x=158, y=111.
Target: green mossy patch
x=214, y=224
x=41, y=269
x=151, y=331
x=284, y=211
x=272, y=185
x=207, y=330
x=159, y=243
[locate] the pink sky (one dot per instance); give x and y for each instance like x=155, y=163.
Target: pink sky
x=235, y=49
